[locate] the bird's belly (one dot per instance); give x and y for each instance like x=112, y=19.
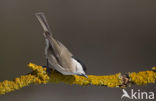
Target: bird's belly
x=60, y=69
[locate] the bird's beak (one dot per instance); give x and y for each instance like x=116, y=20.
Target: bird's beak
x=85, y=75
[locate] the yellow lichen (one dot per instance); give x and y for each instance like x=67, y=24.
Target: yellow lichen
x=143, y=78
x=40, y=76
x=154, y=68
x=109, y=80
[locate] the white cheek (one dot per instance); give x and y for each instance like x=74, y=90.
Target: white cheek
x=79, y=68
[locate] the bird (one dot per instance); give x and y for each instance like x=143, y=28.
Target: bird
x=58, y=55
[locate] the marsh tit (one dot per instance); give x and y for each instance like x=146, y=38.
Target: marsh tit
x=57, y=55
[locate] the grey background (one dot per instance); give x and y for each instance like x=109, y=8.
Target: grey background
x=110, y=36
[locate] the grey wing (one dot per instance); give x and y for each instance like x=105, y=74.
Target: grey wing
x=65, y=48
x=62, y=55
x=58, y=55
x=54, y=63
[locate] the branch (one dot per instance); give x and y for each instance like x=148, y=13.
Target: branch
x=39, y=75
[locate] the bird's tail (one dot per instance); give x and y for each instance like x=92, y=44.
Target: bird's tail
x=42, y=19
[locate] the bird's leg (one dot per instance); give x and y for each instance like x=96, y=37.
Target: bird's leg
x=47, y=66
x=47, y=63
x=84, y=75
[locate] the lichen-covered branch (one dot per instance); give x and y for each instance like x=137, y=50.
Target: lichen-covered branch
x=40, y=76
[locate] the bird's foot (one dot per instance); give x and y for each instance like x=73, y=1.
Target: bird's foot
x=47, y=69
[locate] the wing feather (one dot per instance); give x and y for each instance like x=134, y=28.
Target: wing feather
x=58, y=55
x=62, y=54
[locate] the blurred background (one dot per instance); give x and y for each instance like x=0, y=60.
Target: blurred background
x=109, y=36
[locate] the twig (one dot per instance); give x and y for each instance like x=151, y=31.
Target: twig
x=40, y=76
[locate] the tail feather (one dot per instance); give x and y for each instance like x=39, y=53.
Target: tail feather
x=42, y=19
